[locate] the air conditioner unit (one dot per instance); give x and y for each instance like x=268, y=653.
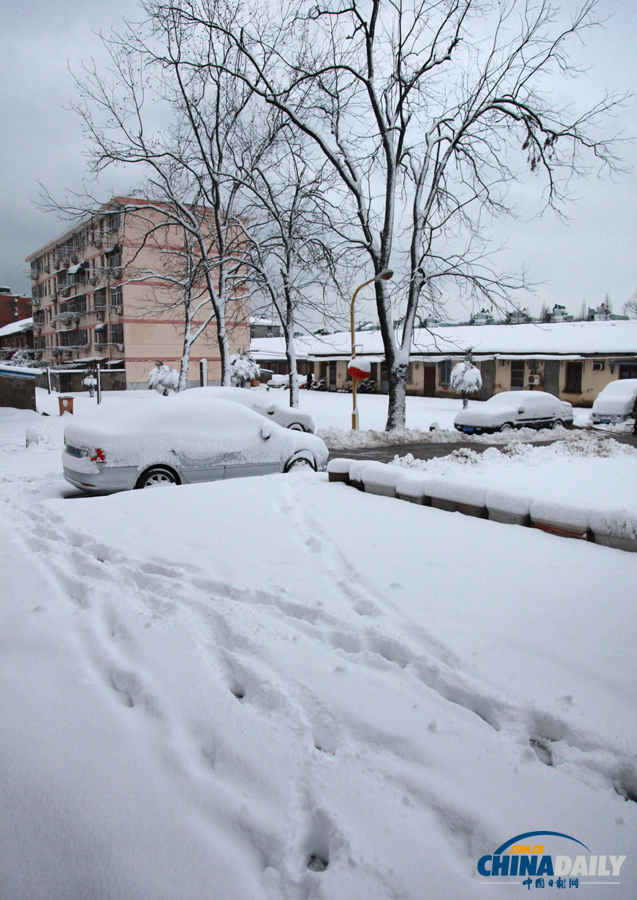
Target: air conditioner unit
x=534, y=379
x=100, y=314
x=35, y=301
x=65, y=291
x=37, y=329
x=54, y=296
x=75, y=259
x=120, y=347
x=92, y=280
x=66, y=262
x=118, y=310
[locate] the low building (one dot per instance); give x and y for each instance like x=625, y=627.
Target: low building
x=16, y=336
x=572, y=360
x=98, y=296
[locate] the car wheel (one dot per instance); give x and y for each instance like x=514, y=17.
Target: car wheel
x=158, y=476
x=300, y=463
x=506, y=427
x=557, y=423
x=295, y=427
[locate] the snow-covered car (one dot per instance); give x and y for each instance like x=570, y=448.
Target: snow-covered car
x=514, y=409
x=182, y=439
x=615, y=403
x=261, y=403
x=279, y=381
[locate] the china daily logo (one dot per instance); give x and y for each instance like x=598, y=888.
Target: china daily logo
x=525, y=859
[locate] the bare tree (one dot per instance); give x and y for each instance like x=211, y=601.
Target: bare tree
x=293, y=266
x=420, y=107
x=183, y=288
x=152, y=112
x=630, y=307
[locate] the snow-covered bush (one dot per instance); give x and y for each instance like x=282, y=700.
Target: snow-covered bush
x=90, y=382
x=243, y=370
x=466, y=379
x=24, y=359
x=163, y=379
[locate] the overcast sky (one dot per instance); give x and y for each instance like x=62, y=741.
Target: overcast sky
x=593, y=254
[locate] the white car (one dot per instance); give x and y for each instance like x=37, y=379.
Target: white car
x=279, y=381
x=514, y=409
x=261, y=403
x=181, y=439
x=615, y=403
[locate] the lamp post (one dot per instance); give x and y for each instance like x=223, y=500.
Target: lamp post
x=385, y=275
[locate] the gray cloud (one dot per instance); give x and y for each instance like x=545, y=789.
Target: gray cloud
x=41, y=140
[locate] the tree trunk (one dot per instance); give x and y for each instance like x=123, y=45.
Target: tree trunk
x=185, y=357
x=396, y=411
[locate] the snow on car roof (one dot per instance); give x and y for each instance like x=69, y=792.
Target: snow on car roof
x=514, y=398
x=624, y=387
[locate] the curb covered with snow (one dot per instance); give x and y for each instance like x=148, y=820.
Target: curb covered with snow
x=409, y=479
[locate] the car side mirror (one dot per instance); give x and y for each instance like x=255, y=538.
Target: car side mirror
x=520, y=411
x=266, y=431
x=271, y=409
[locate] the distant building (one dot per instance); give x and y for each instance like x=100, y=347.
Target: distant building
x=13, y=307
x=88, y=307
x=603, y=314
x=260, y=328
x=572, y=360
x=484, y=317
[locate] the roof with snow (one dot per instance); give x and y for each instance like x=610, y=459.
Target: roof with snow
x=21, y=325
x=559, y=340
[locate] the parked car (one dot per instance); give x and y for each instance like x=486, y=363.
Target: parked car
x=279, y=381
x=182, y=439
x=615, y=403
x=514, y=409
x=261, y=403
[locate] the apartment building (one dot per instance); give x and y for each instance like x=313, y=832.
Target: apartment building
x=100, y=295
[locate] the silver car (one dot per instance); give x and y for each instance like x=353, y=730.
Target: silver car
x=514, y=409
x=261, y=403
x=183, y=439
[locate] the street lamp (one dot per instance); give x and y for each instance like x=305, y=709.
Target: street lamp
x=385, y=275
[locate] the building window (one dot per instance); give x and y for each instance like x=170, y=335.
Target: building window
x=116, y=296
x=573, y=378
x=410, y=373
x=99, y=299
x=117, y=334
x=598, y=365
x=517, y=374
x=444, y=371
x=114, y=222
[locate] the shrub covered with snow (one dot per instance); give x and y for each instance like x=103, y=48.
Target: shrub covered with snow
x=163, y=379
x=466, y=379
x=243, y=370
x=24, y=359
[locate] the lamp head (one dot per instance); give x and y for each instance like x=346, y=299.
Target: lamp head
x=386, y=275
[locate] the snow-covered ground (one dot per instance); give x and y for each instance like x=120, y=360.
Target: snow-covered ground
x=284, y=688
x=332, y=414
